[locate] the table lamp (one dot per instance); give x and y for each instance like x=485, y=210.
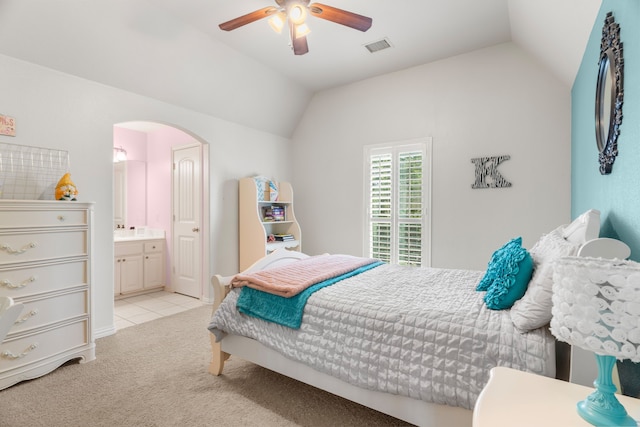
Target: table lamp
x=596, y=306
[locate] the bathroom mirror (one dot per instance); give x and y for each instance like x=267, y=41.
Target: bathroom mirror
x=609, y=95
x=130, y=193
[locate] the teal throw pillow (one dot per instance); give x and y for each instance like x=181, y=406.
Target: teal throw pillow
x=512, y=284
x=496, y=264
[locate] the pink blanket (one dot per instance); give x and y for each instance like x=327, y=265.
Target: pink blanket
x=291, y=279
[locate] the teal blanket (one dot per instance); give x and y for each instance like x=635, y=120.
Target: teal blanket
x=286, y=311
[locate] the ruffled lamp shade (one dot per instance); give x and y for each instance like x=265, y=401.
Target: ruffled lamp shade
x=596, y=306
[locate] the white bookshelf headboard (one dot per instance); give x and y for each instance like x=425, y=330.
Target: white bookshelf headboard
x=604, y=247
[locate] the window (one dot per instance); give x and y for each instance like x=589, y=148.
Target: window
x=397, y=203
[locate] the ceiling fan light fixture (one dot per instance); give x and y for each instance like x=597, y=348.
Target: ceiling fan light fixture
x=301, y=30
x=277, y=21
x=297, y=14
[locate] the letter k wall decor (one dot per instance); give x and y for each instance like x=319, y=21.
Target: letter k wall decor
x=487, y=175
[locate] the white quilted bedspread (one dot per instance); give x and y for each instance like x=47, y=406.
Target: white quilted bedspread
x=417, y=332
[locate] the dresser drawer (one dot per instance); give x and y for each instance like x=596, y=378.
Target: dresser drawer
x=42, y=312
x=154, y=246
x=36, y=219
x=17, y=352
x=25, y=281
x=38, y=246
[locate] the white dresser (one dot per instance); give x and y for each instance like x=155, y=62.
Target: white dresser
x=45, y=264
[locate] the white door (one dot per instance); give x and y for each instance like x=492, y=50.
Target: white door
x=187, y=220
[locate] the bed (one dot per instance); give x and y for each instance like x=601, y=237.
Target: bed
x=414, y=343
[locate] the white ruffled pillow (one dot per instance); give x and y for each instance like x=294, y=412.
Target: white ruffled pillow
x=533, y=310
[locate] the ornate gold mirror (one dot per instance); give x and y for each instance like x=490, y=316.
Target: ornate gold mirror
x=609, y=94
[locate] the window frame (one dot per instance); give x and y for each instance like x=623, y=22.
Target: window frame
x=395, y=149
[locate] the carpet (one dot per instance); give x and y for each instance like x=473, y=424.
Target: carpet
x=155, y=375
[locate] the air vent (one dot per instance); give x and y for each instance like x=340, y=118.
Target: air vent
x=378, y=46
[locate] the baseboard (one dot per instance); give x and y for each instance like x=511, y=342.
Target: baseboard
x=104, y=332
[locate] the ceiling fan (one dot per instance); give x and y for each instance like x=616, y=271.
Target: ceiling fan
x=294, y=12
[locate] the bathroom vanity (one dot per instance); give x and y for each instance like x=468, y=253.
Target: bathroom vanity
x=139, y=262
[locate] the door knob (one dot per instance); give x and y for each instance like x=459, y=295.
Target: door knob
x=195, y=230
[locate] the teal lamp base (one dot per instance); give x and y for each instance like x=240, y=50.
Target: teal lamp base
x=601, y=408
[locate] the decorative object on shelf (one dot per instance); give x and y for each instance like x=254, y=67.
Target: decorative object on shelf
x=487, y=175
x=262, y=187
x=7, y=125
x=609, y=94
x=596, y=305
x=119, y=154
x=66, y=189
x=30, y=173
x=273, y=191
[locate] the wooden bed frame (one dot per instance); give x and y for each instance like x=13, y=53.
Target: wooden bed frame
x=414, y=411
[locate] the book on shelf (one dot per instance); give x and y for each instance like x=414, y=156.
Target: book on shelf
x=272, y=213
x=283, y=237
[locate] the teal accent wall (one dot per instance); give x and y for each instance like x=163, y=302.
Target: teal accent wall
x=617, y=195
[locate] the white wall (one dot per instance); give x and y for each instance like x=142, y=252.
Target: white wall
x=490, y=102
x=56, y=110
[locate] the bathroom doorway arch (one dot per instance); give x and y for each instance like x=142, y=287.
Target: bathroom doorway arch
x=154, y=143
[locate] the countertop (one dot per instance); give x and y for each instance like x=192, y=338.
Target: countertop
x=142, y=233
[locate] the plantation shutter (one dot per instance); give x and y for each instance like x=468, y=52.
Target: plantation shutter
x=410, y=208
x=381, y=206
x=396, y=206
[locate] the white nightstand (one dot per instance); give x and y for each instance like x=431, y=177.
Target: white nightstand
x=516, y=398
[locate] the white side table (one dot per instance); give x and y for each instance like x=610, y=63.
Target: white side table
x=516, y=398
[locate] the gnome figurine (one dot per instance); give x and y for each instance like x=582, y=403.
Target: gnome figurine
x=66, y=189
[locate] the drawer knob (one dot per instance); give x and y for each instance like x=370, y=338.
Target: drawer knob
x=61, y=218
x=22, y=284
x=9, y=355
x=22, y=250
x=26, y=317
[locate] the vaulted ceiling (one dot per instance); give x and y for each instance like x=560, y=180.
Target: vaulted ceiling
x=419, y=31
x=173, y=50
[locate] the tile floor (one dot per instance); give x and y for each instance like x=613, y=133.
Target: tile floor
x=143, y=308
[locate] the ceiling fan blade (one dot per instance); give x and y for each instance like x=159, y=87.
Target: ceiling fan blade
x=248, y=18
x=339, y=16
